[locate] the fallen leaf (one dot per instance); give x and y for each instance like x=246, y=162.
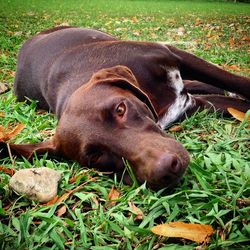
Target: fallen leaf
x=37, y=222
x=113, y=196
x=232, y=67
x=232, y=42
x=78, y=203
x=68, y=243
x=3, y=88
x=137, y=211
x=237, y=114
x=136, y=33
x=199, y=248
x=11, y=73
x=16, y=130
x=66, y=195
x=51, y=202
x=41, y=112
x=61, y=211
x=95, y=201
x=243, y=202
x=2, y=114
x=195, y=232
x=197, y=22
x=7, y=206
x=5, y=134
x=75, y=178
x=246, y=39
x=176, y=128
x=209, y=34
x=9, y=171
x=134, y=19
x=47, y=132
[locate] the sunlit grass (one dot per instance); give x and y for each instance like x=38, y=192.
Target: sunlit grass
x=216, y=187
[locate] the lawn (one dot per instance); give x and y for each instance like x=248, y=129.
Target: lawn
x=216, y=188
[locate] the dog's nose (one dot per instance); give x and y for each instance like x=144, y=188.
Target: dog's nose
x=167, y=171
x=169, y=163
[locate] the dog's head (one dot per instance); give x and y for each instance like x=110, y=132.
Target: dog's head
x=110, y=118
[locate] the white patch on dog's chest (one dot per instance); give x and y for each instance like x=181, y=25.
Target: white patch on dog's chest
x=180, y=104
x=175, y=80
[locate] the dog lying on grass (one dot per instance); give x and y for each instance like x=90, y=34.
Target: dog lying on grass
x=114, y=97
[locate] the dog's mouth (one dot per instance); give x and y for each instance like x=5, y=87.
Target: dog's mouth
x=154, y=164
x=101, y=158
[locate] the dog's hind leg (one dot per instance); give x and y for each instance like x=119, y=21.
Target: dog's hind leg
x=195, y=68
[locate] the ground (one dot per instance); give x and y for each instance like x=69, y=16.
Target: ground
x=215, y=190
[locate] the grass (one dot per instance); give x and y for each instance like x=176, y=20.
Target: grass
x=215, y=189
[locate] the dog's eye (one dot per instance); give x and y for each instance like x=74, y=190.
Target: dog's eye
x=120, y=109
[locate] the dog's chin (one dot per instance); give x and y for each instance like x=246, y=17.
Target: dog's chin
x=168, y=186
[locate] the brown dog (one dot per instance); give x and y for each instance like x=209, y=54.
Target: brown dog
x=113, y=97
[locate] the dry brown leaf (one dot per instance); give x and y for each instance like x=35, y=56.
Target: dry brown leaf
x=113, y=196
x=51, y=202
x=136, y=33
x=176, y=128
x=41, y=112
x=195, y=232
x=75, y=178
x=5, y=134
x=234, y=67
x=136, y=210
x=134, y=19
x=243, y=202
x=66, y=195
x=7, y=206
x=209, y=34
x=16, y=130
x=11, y=73
x=61, y=211
x=197, y=22
x=231, y=67
x=68, y=243
x=3, y=88
x=232, y=42
x=9, y=171
x=240, y=116
x=95, y=201
x=245, y=38
x=2, y=114
x=37, y=222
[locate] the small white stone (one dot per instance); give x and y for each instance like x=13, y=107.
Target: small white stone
x=36, y=183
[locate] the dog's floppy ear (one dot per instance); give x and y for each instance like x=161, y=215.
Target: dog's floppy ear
x=122, y=77
x=27, y=150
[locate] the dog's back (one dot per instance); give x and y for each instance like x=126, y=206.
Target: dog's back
x=38, y=54
x=54, y=63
